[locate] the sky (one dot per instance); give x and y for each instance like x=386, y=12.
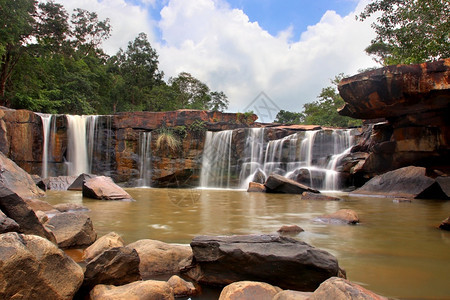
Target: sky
x=265, y=55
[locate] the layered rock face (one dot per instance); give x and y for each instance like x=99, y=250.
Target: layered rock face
x=409, y=108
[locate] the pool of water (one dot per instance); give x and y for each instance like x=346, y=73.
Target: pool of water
x=396, y=250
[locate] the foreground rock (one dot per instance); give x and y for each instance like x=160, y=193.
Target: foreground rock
x=140, y=290
x=72, y=230
x=278, y=260
x=249, y=290
x=445, y=224
x=316, y=196
x=108, y=241
x=17, y=180
x=7, y=224
x=159, y=258
x=34, y=268
x=255, y=187
x=292, y=295
x=104, y=188
x=16, y=208
x=182, y=288
x=341, y=289
x=342, y=216
x=407, y=182
x=278, y=184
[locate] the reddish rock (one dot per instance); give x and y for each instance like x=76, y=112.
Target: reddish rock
x=342, y=289
x=139, y=290
x=292, y=295
x=278, y=184
x=77, y=184
x=108, y=241
x=249, y=290
x=104, y=188
x=59, y=183
x=72, y=230
x=182, y=288
x=254, y=187
x=346, y=216
x=445, y=224
x=290, y=229
x=7, y=224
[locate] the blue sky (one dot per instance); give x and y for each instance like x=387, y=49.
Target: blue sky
x=286, y=49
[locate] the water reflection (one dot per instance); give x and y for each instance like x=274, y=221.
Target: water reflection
x=395, y=251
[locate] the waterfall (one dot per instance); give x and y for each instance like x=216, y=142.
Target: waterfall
x=145, y=159
x=46, y=127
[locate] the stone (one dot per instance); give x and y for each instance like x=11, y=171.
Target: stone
x=402, y=200
x=17, y=180
x=342, y=289
x=181, y=287
x=248, y=290
x=108, y=241
x=77, y=185
x=278, y=184
x=16, y=208
x=42, y=216
x=70, y=207
x=36, y=204
x=290, y=229
x=259, y=176
x=115, y=266
x=139, y=290
x=277, y=260
x=72, y=230
x=445, y=224
x=407, y=182
x=342, y=216
x=34, y=268
x=292, y=295
x=316, y=196
x=39, y=182
x=104, y=188
x=7, y=224
x=254, y=187
x=60, y=183
x=159, y=258
x=440, y=189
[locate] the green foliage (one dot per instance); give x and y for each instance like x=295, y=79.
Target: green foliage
x=409, y=31
x=288, y=117
x=197, y=128
x=167, y=139
x=245, y=118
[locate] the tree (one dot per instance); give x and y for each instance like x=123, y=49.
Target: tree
x=289, y=117
x=409, y=31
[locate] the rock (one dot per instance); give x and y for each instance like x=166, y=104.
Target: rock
x=70, y=207
x=39, y=182
x=254, y=187
x=17, y=180
x=60, y=183
x=182, y=288
x=316, y=196
x=259, y=176
x=72, y=229
x=277, y=260
x=42, y=216
x=37, y=204
x=7, y=224
x=290, y=229
x=292, y=295
x=104, y=188
x=140, y=290
x=248, y=290
x=440, y=189
x=16, y=208
x=407, y=182
x=345, y=216
x=341, y=289
x=402, y=200
x=34, y=268
x=77, y=185
x=278, y=184
x=115, y=266
x=108, y=241
x=445, y=224
x=160, y=258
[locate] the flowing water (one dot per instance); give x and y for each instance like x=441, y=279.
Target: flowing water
x=396, y=251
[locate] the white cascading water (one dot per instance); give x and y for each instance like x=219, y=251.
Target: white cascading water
x=145, y=159
x=46, y=126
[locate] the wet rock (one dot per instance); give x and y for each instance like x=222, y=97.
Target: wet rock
x=290, y=229
x=7, y=224
x=402, y=200
x=278, y=184
x=16, y=208
x=407, y=182
x=34, y=268
x=341, y=289
x=17, y=180
x=70, y=207
x=182, y=288
x=344, y=216
x=72, y=230
x=445, y=224
x=277, y=260
x=104, y=188
x=36, y=204
x=59, y=183
x=292, y=295
x=108, y=241
x=259, y=176
x=140, y=290
x=254, y=187
x=77, y=185
x=160, y=258
x=115, y=266
x=316, y=196
x=249, y=290
x=440, y=189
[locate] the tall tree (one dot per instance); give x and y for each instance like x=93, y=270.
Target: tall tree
x=289, y=117
x=409, y=31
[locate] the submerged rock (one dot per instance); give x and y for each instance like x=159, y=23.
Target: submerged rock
x=290, y=229
x=249, y=290
x=316, y=196
x=139, y=290
x=72, y=230
x=104, y=188
x=445, y=224
x=278, y=184
x=278, y=260
x=346, y=216
x=341, y=289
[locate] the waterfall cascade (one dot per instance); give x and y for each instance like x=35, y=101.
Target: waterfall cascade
x=46, y=127
x=145, y=159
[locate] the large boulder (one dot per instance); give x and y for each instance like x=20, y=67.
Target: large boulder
x=17, y=180
x=140, y=290
x=72, y=230
x=249, y=290
x=108, y=241
x=17, y=209
x=278, y=260
x=278, y=184
x=292, y=295
x=7, y=224
x=77, y=185
x=159, y=258
x=34, y=268
x=341, y=289
x=104, y=188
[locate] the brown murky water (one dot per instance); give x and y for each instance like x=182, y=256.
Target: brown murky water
x=396, y=251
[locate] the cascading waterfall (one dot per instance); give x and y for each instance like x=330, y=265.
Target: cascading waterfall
x=145, y=159
x=46, y=127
